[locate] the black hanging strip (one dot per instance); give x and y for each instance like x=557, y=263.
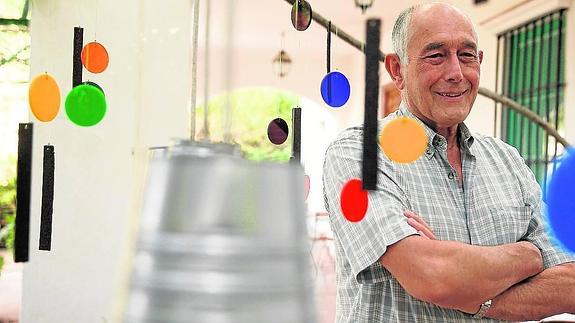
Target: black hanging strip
x=328, y=60
x=370, y=148
x=45, y=242
x=23, y=186
x=77, y=58
x=296, y=143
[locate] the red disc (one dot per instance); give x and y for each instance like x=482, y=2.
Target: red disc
x=353, y=200
x=95, y=57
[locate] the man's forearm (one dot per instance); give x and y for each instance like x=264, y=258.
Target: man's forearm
x=475, y=274
x=550, y=292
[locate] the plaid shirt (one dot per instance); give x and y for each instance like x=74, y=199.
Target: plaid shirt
x=500, y=203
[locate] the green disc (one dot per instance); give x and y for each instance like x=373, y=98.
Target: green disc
x=85, y=105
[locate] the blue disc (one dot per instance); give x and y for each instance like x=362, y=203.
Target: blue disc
x=561, y=201
x=335, y=89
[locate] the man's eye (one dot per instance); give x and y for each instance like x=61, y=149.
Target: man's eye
x=437, y=55
x=468, y=55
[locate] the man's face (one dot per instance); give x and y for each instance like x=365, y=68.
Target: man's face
x=442, y=76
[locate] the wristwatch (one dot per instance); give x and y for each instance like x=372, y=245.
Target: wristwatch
x=482, y=310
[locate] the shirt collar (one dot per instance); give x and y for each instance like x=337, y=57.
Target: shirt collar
x=434, y=140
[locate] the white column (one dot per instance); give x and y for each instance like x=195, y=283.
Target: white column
x=98, y=169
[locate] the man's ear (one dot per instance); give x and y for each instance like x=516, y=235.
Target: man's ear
x=393, y=67
x=480, y=56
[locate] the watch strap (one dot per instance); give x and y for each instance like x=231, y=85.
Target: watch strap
x=482, y=310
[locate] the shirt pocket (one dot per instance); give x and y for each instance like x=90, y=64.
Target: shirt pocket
x=511, y=222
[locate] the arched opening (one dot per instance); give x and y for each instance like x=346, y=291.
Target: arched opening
x=252, y=110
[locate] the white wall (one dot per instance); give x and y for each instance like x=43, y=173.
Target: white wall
x=570, y=76
x=495, y=17
x=99, y=169
x=97, y=175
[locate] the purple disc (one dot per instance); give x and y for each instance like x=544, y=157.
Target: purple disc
x=278, y=131
x=301, y=15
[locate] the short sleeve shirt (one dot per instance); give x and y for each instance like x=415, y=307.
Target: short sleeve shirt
x=499, y=203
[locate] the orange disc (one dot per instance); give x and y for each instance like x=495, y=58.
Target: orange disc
x=44, y=97
x=403, y=140
x=95, y=57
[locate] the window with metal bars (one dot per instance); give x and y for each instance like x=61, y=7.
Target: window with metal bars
x=531, y=60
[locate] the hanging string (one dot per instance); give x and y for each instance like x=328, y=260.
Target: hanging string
x=195, y=8
x=206, y=128
x=281, y=56
x=228, y=70
x=51, y=66
x=96, y=23
x=328, y=47
x=281, y=66
x=328, y=60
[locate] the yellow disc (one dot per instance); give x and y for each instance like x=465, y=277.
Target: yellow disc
x=44, y=97
x=403, y=140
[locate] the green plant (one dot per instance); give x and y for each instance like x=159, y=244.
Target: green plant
x=252, y=110
x=7, y=216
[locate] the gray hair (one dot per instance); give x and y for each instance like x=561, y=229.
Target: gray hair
x=401, y=31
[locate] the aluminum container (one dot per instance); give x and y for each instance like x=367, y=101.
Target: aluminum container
x=221, y=240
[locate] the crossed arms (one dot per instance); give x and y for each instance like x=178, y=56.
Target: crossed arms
x=460, y=276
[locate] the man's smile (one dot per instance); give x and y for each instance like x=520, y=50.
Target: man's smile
x=452, y=94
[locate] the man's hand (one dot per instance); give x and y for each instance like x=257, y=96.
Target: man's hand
x=425, y=230
x=418, y=224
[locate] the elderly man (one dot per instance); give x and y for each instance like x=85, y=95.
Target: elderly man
x=456, y=235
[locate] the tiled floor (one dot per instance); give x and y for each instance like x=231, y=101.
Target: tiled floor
x=10, y=289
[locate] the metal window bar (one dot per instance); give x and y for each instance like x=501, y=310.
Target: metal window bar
x=532, y=74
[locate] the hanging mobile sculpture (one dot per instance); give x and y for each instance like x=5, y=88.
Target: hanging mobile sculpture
x=96, y=86
x=45, y=241
x=23, y=189
x=44, y=97
x=335, y=88
x=370, y=148
x=296, y=145
x=301, y=15
x=354, y=198
x=296, y=134
x=403, y=140
x=278, y=131
x=560, y=202
x=85, y=105
x=95, y=57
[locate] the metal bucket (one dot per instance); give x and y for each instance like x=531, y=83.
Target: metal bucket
x=221, y=240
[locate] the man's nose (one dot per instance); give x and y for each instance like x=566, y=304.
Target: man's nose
x=453, y=69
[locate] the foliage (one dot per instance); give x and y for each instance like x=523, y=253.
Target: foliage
x=252, y=111
x=14, y=75
x=7, y=215
x=14, y=9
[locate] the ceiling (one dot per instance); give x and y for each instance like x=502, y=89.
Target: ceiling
x=259, y=24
